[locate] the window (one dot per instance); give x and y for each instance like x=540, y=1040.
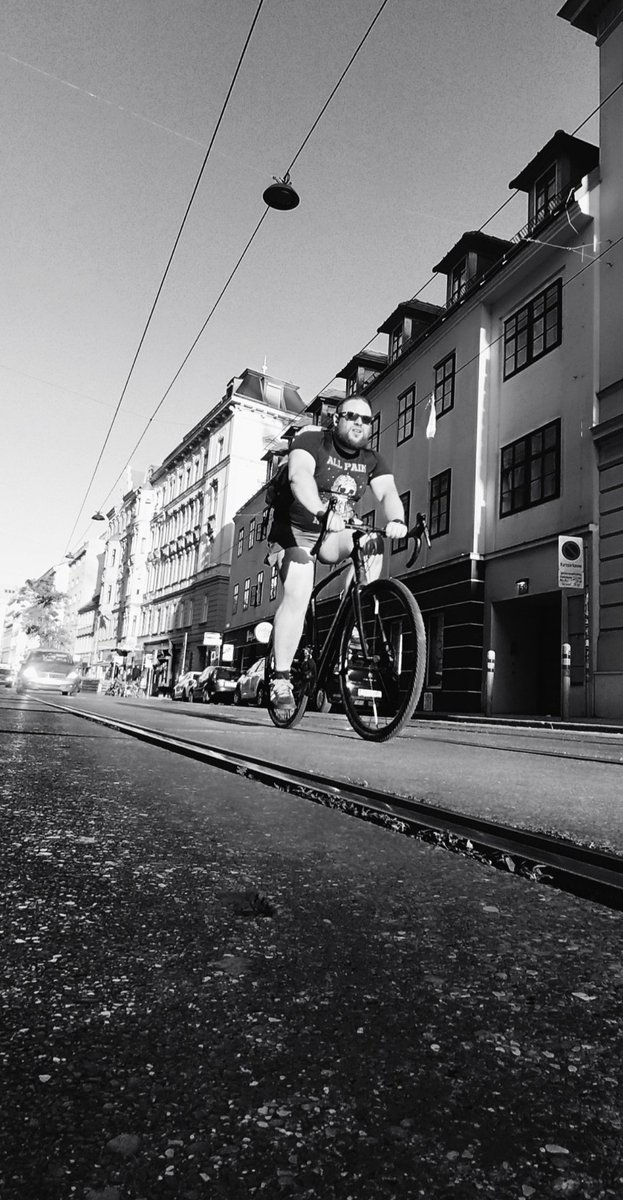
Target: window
x=274, y=575
x=240, y=541
x=263, y=526
x=439, y=518
x=351, y=385
x=406, y=416
x=533, y=330
x=204, y=608
x=444, y=384
x=251, y=541
x=457, y=280
x=401, y=543
x=544, y=192
x=259, y=587
x=246, y=593
x=434, y=650
x=273, y=393
x=395, y=343
x=530, y=470
x=375, y=431
x=234, y=599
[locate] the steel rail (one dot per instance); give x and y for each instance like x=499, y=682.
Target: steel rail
x=576, y=869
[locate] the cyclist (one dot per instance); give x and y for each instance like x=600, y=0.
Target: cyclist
x=328, y=472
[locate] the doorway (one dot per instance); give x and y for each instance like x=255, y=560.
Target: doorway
x=527, y=636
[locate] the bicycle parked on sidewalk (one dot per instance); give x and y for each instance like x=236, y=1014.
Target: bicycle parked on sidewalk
x=376, y=645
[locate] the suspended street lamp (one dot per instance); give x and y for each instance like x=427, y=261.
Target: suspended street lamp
x=281, y=194
x=98, y=516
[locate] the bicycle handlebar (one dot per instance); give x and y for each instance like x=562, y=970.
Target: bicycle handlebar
x=419, y=531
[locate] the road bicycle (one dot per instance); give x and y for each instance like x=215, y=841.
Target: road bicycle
x=374, y=650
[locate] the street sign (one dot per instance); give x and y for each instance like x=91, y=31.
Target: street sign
x=570, y=562
x=212, y=639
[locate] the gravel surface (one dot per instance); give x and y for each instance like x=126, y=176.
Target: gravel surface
x=214, y=990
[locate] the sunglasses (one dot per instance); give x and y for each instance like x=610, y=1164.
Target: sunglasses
x=348, y=415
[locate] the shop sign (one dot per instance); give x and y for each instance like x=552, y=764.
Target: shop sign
x=212, y=639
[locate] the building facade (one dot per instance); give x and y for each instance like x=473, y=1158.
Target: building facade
x=197, y=490
x=603, y=21
x=504, y=372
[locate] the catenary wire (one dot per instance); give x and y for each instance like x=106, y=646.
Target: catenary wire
x=375, y=335
x=170, y=260
x=233, y=272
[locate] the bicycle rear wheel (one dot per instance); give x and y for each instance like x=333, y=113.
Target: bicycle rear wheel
x=302, y=677
x=381, y=663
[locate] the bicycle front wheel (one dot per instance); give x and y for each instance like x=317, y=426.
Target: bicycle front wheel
x=382, y=660
x=302, y=676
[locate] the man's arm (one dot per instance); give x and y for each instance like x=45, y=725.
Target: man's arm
x=301, y=468
x=384, y=489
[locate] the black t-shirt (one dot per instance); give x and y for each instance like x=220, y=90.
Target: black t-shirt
x=342, y=476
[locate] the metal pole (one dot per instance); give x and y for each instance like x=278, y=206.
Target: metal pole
x=565, y=680
x=489, y=682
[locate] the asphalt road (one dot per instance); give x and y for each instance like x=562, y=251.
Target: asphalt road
x=211, y=989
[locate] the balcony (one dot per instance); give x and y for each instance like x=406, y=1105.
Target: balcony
x=551, y=208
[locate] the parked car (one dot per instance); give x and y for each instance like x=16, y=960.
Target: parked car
x=50, y=671
x=185, y=686
x=216, y=685
x=251, y=687
x=7, y=675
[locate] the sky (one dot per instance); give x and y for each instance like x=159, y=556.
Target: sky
x=108, y=109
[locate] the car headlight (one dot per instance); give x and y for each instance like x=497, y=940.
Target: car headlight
x=74, y=675
x=29, y=672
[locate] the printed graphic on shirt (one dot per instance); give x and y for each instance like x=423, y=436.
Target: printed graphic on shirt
x=336, y=475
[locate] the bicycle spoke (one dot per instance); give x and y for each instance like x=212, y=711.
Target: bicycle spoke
x=382, y=660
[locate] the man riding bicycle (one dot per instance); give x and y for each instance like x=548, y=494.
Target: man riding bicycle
x=328, y=472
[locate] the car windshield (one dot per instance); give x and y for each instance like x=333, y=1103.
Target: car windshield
x=49, y=656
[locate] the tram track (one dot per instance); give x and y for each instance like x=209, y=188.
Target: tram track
x=579, y=870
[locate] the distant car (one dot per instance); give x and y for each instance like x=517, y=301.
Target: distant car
x=216, y=684
x=7, y=675
x=185, y=685
x=251, y=687
x=49, y=671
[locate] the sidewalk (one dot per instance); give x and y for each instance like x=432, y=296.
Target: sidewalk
x=579, y=724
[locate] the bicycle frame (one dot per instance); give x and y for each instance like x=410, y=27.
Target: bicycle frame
x=324, y=655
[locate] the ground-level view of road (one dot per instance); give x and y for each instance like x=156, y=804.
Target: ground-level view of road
x=216, y=988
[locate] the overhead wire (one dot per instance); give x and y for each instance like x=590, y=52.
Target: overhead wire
x=169, y=262
x=238, y=263
x=498, y=210
x=256, y=230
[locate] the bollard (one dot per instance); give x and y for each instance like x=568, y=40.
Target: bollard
x=565, y=680
x=489, y=682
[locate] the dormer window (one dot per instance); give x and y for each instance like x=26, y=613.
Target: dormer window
x=395, y=343
x=351, y=385
x=545, y=190
x=457, y=280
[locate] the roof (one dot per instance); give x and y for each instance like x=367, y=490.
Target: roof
x=365, y=358
x=420, y=309
x=484, y=244
x=285, y=395
x=583, y=156
x=584, y=14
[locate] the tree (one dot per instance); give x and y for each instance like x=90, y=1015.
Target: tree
x=43, y=612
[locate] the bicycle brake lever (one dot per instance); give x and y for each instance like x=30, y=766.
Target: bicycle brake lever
x=418, y=532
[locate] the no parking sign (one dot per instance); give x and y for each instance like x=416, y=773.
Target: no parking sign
x=570, y=562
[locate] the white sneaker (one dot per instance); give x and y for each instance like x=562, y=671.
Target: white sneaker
x=281, y=694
